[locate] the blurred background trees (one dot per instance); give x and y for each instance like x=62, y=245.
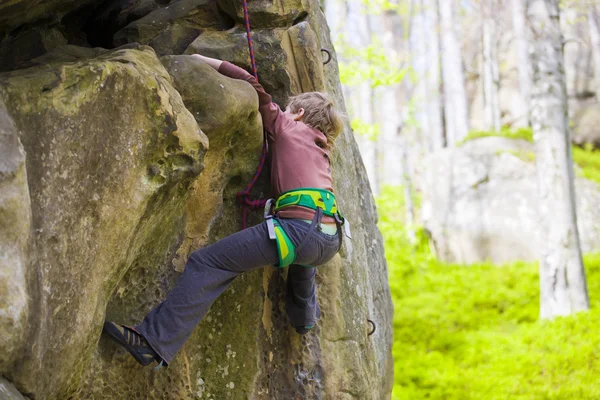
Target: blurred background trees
x=486, y=113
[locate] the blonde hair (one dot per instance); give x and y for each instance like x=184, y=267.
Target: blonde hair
x=319, y=113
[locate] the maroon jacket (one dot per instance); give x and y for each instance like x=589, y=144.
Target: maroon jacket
x=297, y=160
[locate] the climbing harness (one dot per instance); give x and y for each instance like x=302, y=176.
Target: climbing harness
x=244, y=196
x=322, y=201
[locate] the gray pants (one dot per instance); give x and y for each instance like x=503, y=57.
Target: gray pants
x=210, y=270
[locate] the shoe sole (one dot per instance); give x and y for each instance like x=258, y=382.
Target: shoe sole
x=115, y=334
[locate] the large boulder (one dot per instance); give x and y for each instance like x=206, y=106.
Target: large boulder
x=479, y=202
x=291, y=56
x=170, y=29
x=111, y=151
x=586, y=126
x=15, y=223
x=8, y=391
x=29, y=44
x=118, y=203
x=16, y=13
x=268, y=49
x=267, y=13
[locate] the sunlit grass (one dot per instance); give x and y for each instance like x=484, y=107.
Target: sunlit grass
x=519, y=133
x=472, y=332
x=589, y=160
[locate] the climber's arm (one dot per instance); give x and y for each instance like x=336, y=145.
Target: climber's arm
x=273, y=118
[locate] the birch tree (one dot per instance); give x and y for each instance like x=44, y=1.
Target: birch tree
x=563, y=288
x=425, y=61
x=455, y=97
x=366, y=111
x=391, y=119
x=491, y=77
x=522, y=44
x=595, y=47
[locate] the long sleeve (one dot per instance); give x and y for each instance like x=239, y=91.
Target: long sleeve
x=274, y=120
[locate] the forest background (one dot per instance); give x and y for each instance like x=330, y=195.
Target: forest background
x=455, y=105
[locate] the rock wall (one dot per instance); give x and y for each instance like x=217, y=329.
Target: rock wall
x=117, y=163
x=480, y=203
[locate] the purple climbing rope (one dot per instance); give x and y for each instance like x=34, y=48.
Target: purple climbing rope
x=249, y=36
x=244, y=196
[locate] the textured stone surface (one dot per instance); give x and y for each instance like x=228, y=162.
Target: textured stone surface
x=586, y=126
x=289, y=60
x=29, y=44
x=111, y=151
x=480, y=199
x=8, y=391
x=269, y=14
x=233, y=47
x=15, y=13
x=170, y=29
x=15, y=221
x=112, y=225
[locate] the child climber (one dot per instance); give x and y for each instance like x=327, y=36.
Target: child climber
x=303, y=232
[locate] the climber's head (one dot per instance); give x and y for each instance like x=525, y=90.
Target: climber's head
x=316, y=109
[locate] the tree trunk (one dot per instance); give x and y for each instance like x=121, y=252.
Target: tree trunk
x=366, y=110
x=490, y=69
x=389, y=106
x=425, y=60
x=408, y=202
x=595, y=41
x=455, y=98
x=523, y=64
x=563, y=288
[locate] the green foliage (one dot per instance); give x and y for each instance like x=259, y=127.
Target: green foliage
x=588, y=159
x=376, y=7
x=471, y=332
x=370, y=131
x=370, y=64
x=519, y=133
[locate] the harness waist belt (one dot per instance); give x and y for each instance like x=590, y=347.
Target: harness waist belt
x=309, y=198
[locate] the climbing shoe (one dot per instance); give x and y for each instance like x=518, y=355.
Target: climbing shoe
x=133, y=342
x=302, y=329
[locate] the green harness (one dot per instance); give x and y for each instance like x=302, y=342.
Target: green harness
x=320, y=200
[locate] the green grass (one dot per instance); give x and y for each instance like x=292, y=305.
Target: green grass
x=472, y=332
x=519, y=133
x=589, y=160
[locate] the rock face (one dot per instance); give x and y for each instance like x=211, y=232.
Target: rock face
x=111, y=151
x=586, y=126
x=15, y=224
x=8, y=391
x=108, y=184
x=479, y=202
